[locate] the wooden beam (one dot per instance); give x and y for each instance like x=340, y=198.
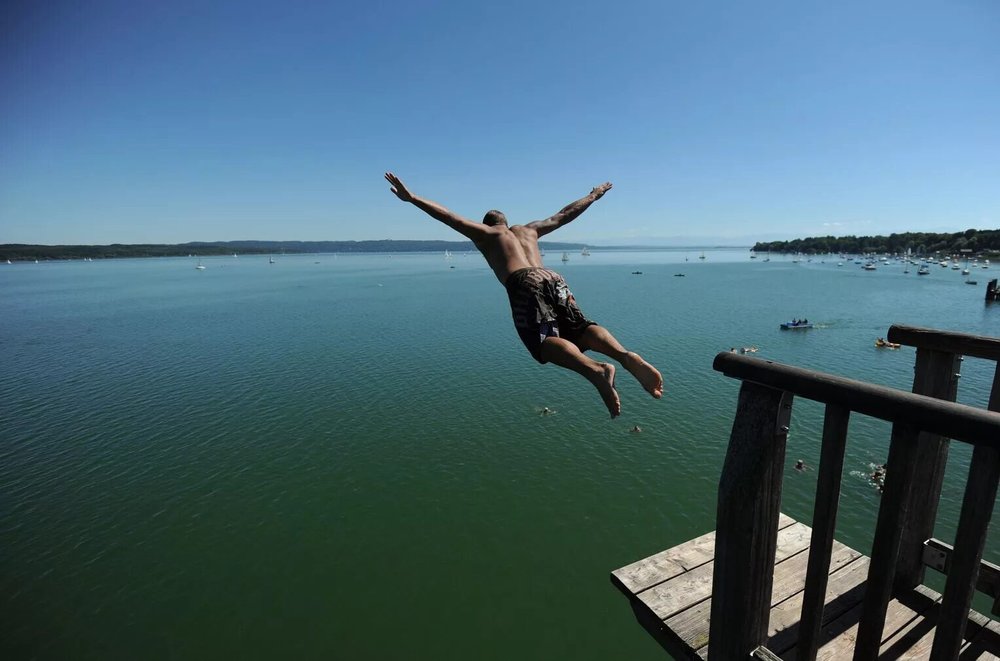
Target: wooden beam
x=935, y=375
x=956, y=421
x=888, y=533
x=747, y=522
x=973, y=525
x=824, y=523
x=764, y=654
x=937, y=555
x=977, y=346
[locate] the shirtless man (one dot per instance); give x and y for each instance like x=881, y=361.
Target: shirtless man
x=545, y=314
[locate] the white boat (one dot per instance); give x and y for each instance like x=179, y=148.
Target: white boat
x=270, y=260
x=923, y=270
x=585, y=252
x=200, y=267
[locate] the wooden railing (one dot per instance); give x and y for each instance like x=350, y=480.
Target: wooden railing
x=922, y=421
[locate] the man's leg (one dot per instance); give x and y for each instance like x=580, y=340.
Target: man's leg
x=597, y=338
x=602, y=375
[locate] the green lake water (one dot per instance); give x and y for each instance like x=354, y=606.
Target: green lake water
x=343, y=457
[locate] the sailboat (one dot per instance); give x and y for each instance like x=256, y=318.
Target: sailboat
x=270, y=260
x=585, y=252
x=200, y=267
x=702, y=255
x=565, y=257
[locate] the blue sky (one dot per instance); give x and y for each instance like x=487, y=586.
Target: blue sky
x=718, y=123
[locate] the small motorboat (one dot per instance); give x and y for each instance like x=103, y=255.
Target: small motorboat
x=880, y=343
x=796, y=324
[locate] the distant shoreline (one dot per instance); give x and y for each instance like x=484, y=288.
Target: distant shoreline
x=29, y=252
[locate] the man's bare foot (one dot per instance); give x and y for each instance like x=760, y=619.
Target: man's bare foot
x=605, y=384
x=645, y=374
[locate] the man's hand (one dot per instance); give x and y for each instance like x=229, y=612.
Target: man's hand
x=399, y=190
x=599, y=191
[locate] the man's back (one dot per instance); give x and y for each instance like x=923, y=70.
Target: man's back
x=508, y=249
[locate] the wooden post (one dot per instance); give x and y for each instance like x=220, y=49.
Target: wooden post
x=831, y=470
x=747, y=522
x=888, y=533
x=935, y=375
x=973, y=524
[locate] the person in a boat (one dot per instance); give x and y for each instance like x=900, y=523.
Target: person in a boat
x=545, y=313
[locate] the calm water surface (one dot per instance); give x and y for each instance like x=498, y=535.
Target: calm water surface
x=344, y=457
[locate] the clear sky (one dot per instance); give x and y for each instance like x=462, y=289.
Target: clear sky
x=141, y=121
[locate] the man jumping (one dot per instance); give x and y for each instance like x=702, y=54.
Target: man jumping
x=545, y=313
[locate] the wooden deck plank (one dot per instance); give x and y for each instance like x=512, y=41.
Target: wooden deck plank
x=672, y=600
x=684, y=590
x=916, y=639
x=664, y=565
x=985, y=644
x=844, y=591
x=692, y=627
x=838, y=636
x=644, y=574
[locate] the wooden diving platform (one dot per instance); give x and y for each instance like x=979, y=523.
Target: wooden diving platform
x=767, y=587
x=671, y=595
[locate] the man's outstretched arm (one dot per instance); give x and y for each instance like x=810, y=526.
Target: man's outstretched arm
x=466, y=227
x=570, y=211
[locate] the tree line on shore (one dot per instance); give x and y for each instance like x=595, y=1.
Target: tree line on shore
x=920, y=243
x=22, y=252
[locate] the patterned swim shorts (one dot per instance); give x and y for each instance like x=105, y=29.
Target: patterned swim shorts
x=543, y=306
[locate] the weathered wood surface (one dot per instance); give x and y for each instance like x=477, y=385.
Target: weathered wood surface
x=946, y=341
x=644, y=574
x=679, y=592
x=840, y=633
x=692, y=624
x=985, y=645
x=935, y=374
x=892, y=512
x=747, y=520
x=973, y=524
x=937, y=555
x=681, y=622
x=956, y=421
x=831, y=471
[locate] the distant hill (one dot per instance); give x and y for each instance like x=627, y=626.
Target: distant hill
x=20, y=251
x=970, y=241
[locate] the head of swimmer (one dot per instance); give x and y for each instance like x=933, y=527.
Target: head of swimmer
x=495, y=218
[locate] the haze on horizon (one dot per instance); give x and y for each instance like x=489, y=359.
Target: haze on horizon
x=173, y=122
